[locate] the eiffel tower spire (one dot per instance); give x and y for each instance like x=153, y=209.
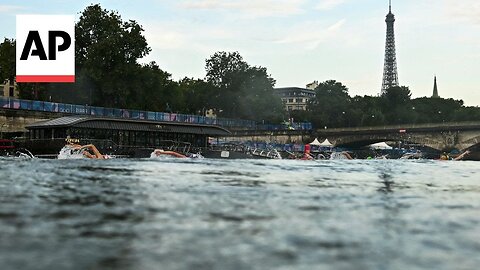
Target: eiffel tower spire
x=390, y=75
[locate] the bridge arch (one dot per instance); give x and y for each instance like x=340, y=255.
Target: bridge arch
x=443, y=137
x=362, y=141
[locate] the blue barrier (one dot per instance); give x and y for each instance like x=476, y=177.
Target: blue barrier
x=43, y=106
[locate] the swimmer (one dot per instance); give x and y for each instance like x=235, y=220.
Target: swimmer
x=307, y=156
x=89, y=151
x=461, y=156
x=161, y=152
x=445, y=156
x=340, y=155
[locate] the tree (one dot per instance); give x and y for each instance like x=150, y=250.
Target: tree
x=243, y=91
x=259, y=102
x=397, y=95
x=7, y=60
x=199, y=95
x=222, y=69
x=33, y=91
x=155, y=90
x=331, y=105
x=466, y=114
x=367, y=111
x=106, y=54
x=396, y=105
x=437, y=110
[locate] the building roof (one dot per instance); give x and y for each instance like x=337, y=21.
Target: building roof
x=294, y=92
x=127, y=124
x=294, y=89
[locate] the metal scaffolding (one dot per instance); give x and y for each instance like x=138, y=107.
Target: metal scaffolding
x=390, y=75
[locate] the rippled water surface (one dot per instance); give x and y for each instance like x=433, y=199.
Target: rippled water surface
x=239, y=214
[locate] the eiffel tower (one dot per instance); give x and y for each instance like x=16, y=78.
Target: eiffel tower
x=390, y=75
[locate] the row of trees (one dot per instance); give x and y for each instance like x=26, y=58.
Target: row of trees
x=108, y=74
x=334, y=107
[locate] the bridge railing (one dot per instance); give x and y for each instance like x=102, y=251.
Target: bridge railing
x=291, y=126
x=54, y=107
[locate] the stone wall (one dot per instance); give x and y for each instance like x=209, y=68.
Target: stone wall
x=13, y=121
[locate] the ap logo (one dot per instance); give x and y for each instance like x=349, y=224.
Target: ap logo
x=45, y=50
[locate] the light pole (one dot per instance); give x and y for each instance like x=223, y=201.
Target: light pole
x=414, y=115
x=346, y=118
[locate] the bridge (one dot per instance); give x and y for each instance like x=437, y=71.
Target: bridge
x=15, y=114
x=441, y=136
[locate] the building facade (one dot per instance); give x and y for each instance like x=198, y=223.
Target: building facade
x=125, y=135
x=8, y=89
x=295, y=98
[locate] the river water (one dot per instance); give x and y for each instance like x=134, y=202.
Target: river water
x=239, y=214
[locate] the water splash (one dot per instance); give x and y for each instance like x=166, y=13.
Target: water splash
x=69, y=152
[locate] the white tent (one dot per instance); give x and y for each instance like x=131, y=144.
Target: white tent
x=326, y=143
x=315, y=142
x=380, y=146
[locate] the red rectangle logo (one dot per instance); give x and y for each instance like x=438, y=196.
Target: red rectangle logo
x=46, y=78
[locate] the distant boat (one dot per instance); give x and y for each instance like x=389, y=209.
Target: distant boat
x=239, y=151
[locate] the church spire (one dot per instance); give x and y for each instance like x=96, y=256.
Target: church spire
x=435, y=89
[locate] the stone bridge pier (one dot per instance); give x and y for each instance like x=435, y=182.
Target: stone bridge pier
x=12, y=123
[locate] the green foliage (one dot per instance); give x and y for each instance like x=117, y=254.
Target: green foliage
x=243, y=91
x=397, y=95
x=154, y=89
x=106, y=53
x=331, y=105
x=367, y=111
x=32, y=91
x=7, y=60
x=199, y=95
x=430, y=110
x=466, y=114
x=396, y=105
x=223, y=69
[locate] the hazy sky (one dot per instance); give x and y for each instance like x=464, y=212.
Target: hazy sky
x=300, y=41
